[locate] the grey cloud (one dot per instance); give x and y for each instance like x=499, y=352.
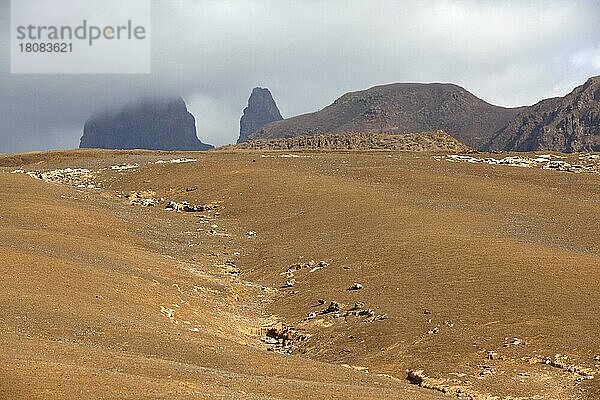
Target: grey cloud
x=309, y=53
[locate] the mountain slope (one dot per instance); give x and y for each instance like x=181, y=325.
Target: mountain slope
x=567, y=124
x=400, y=108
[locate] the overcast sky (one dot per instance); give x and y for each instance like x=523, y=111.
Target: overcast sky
x=310, y=52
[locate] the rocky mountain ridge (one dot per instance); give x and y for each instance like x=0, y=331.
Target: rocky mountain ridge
x=566, y=124
x=400, y=108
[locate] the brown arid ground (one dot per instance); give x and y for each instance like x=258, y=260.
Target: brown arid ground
x=483, y=280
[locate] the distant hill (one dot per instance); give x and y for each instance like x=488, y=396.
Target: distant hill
x=566, y=124
x=426, y=141
x=400, y=108
x=153, y=124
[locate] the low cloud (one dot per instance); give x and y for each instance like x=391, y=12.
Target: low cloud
x=309, y=53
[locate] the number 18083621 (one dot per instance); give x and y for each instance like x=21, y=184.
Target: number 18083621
x=46, y=47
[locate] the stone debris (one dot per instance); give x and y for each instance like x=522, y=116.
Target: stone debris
x=545, y=161
x=486, y=370
x=355, y=286
x=333, y=307
x=356, y=368
x=281, y=338
x=374, y=318
x=177, y=161
x=172, y=206
x=365, y=313
x=492, y=355
x=79, y=177
x=169, y=313
x=230, y=268
x=288, y=284
x=562, y=362
x=515, y=341
x=289, y=156
x=145, y=199
x=250, y=234
x=433, y=331
x=418, y=377
x=187, y=207
x=322, y=264
x=597, y=358
x=311, y=315
x=124, y=167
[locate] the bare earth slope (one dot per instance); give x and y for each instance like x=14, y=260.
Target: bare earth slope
x=106, y=300
x=484, y=276
x=400, y=108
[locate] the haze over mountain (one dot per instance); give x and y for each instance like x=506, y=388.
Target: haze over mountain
x=567, y=124
x=154, y=124
x=401, y=108
x=214, y=53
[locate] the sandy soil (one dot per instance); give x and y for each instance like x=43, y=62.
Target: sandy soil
x=478, y=275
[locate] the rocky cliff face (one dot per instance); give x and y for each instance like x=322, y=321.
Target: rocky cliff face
x=155, y=124
x=424, y=141
x=565, y=124
x=260, y=111
x=400, y=108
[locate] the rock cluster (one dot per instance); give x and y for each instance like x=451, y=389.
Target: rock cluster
x=587, y=163
x=281, y=338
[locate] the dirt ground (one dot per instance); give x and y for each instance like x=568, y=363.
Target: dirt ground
x=484, y=277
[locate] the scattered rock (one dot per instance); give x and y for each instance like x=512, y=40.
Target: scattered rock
x=169, y=313
x=333, y=307
x=78, y=177
x=486, y=370
x=415, y=377
x=124, y=167
x=547, y=161
x=172, y=206
x=281, y=338
x=250, y=234
x=355, y=286
x=288, y=284
x=311, y=315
